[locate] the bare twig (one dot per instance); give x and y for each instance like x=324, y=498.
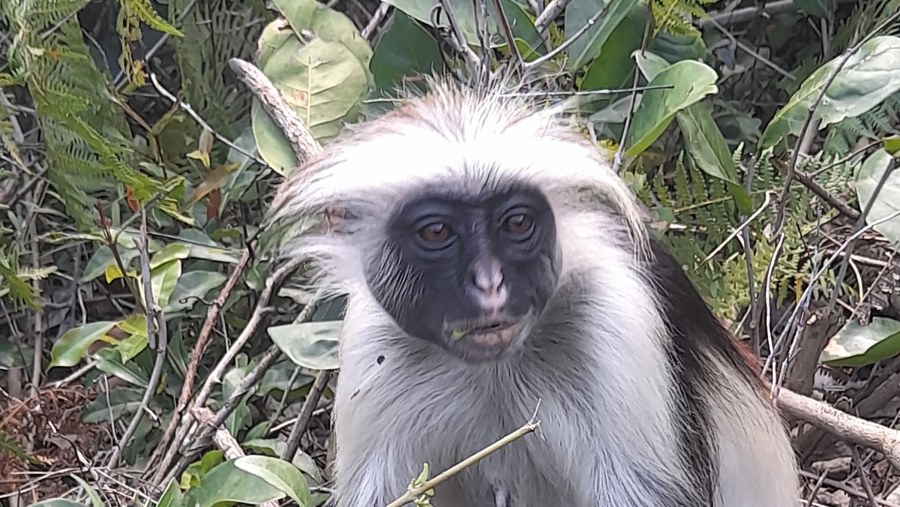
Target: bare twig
x=618, y=160
x=157, y=338
x=265, y=362
x=553, y=11
x=199, y=119
x=306, y=412
x=197, y=353
x=860, y=222
x=414, y=492
x=568, y=42
x=379, y=15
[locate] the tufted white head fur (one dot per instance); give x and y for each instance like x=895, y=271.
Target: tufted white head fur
x=452, y=138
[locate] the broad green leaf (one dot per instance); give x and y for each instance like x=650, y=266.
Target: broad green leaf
x=110, y=407
x=690, y=80
x=590, y=44
x=611, y=70
x=650, y=63
x=707, y=147
x=227, y=483
x=678, y=47
x=192, y=286
x=869, y=76
x=195, y=472
x=103, y=258
x=136, y=342
x=856, y=345
x=163, y=280
x=404, y=50
x=281, y=474
x=888, y=199
x=109, y=361
x=324, y=82
x=172, y=496
x=73, y=346
x=326, y=24
x=171, y=252
x=464, y=13
x=892, y=145
x=313, y=345
x=274, y=447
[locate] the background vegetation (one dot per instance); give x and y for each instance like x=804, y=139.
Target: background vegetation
x=151, y=352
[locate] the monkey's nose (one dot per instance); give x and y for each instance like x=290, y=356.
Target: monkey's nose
x=487, y=278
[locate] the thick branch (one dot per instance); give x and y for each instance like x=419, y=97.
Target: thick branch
x=842, y=425
x=302, y=141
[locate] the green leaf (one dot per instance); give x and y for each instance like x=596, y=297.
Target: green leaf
x=856, y=345
x=171, y=497
x=163, y=280
x=136, y=342
x=326, y=24
x=707, y=147
x=677, y=47
x=144, y=9
x=109, y=361
x=73, y=346
x=227, y=483
x=404, y=50
x=464, y=13
x=590, y=44
x=892, y=145
x=313, y=345
x=109, y=408
x=324, y=82
x=888, y=200
x=102, y=259
x=192, y=286
x=92, y=493
x=869, y=76
x=281, y=474
x=650, y=63
x=611, y=71
x=691, y=82
x=171, y=252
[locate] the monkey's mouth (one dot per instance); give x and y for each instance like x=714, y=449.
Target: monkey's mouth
x=486, y=338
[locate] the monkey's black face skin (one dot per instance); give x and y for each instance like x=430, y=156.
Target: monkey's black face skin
x=468, y=273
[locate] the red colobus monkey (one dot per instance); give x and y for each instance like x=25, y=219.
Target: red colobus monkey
x=492, y=260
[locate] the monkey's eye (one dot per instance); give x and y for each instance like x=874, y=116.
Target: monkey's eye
x=435, y=234
x=519, y=225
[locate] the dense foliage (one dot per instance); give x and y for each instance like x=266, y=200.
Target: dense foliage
x=153, y=351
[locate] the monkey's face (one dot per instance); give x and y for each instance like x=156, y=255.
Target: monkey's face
x=468, y=273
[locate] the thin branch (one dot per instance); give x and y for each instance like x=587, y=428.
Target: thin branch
x=379, y=15
x=860, y=222
x=306, y=412
x=554, y=9
x=568, y=42
x=414, y=492
x=157, y=338
x=618, y=160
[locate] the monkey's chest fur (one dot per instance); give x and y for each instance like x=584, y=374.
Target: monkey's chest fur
x=400, y=405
